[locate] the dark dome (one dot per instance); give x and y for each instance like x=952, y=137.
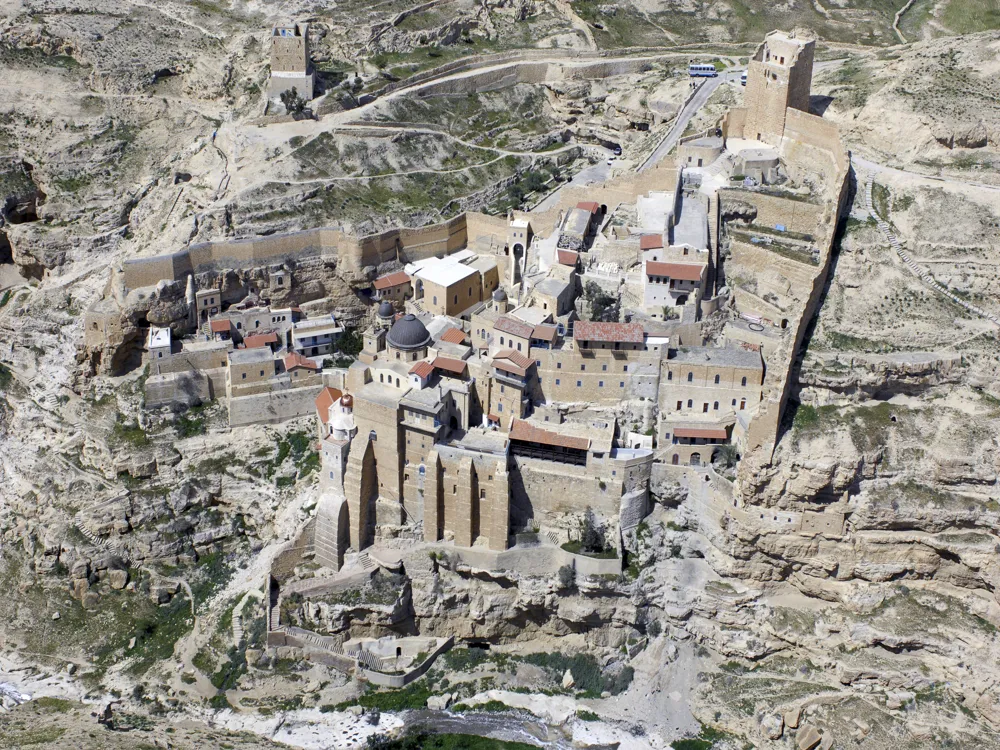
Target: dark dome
x=385, y=310
x=408, y=334
x=499, y=295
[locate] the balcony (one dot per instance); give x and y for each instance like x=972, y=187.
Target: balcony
x=508, y=379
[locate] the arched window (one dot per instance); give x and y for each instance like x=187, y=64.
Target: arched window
x=716, y=379
x=397, y=382
x=501, y=341
x=670, y=375
x=715, y=406
x=744, y=382
x=381, y=378
x=690, y=403
x=690, y=376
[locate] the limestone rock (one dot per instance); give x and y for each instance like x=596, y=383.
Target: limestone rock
x=439, y=702
x=807, y=737
x=567, y=680
x=118, y=578
x=772, y=726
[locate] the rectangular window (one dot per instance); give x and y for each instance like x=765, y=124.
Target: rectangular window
x=600, y=383
x=482, y=494
x=678, y=406
x=557, y=383
x=245, y=377
x=583, y=368
x=558, y=365
x=621, y=384
x=604, y=368
x=579, y=383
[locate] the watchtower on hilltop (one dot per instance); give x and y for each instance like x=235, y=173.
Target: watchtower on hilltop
x=290, y=66
x=779, y=76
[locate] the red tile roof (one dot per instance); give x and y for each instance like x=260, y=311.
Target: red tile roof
x=327, y=398
x=453, y=336
x=391, y=280
x=591, y=206
x=513, y=326
x=295, y=359
x=454, y=366
x=651, y=241
x=422, y=369
x=719, y=433
x=545, y=333
x=527, y=432
x=680, y=271
x=630, y=333
x=511, y=361
x=221, y=326
x=567, y=257
x=262, y=339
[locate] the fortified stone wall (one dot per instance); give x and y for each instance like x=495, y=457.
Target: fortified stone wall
x=402, y=244
x=547, y=490
x=799, y=216
x=269, y=408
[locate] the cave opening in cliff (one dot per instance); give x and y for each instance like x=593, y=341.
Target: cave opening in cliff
x=6, y=251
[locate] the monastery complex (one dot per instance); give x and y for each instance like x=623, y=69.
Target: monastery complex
x=483, y=404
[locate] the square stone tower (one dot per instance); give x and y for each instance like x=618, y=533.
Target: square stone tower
x=290, y=67
x=779, y=76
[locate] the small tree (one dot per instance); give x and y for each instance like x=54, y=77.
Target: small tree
x=603, y=307
x=727, y=455
x=591, y=539
x=566, y=576
x=294, y=104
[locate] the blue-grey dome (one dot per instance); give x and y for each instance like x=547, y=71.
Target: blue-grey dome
x=385, y=310
x=499, y=295
x=408, y=334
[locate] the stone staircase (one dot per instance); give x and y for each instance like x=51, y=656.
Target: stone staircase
x=366, y=562
x=104, y=544
x=551, y=536
x=238, y=616
x=724, y=163
x=925, y=276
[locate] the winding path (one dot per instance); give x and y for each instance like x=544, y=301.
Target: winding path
x=924, y=275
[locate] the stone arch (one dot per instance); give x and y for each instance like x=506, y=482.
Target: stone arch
x=696, y=459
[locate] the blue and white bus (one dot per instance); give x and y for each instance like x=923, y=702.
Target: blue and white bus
x=743, y=78
x=702, y=71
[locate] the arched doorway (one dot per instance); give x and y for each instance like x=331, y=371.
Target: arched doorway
x=675, y=460
x=518, y=249
x=453, y=422
x=682, y=300
x=696, y=459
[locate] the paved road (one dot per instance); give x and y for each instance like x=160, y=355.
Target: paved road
x=688, y=111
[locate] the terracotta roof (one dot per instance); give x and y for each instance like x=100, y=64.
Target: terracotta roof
x=681, y=271
x=513, y=326
x=453, y=336
x=221, y=326
x=262, y=339
x=718, y=433
x=591, y=206
x=545, y=333
x=422, y=369
x=528, y=433
x=511, y=361
x=327, y=398
x=295, y=359
x=650, y=241
x=391, y=279
x=454, y=366
x=567, y=257
x=608, y=332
